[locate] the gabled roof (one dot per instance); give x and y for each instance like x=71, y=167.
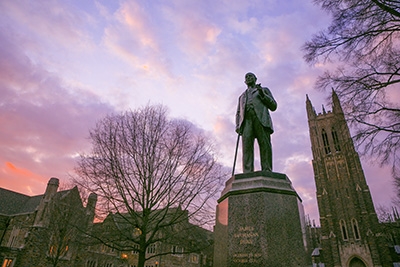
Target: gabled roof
x=12, y=203
x=15, y=203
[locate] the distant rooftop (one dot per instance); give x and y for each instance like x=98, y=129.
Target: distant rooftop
x=15, y=203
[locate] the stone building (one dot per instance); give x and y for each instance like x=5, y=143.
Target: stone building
x=194, y=249
x=43, y=230
x=350, y=233
x=56, y=229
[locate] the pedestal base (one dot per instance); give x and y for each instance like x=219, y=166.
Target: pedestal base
x=260, y=222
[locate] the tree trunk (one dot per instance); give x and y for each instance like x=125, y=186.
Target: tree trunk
x=142, y=249
x=142, y=258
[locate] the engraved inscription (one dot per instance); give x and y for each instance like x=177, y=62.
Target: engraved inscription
x=246, y=235
x=247, y=257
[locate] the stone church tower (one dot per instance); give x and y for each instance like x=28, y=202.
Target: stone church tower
x=349, y=224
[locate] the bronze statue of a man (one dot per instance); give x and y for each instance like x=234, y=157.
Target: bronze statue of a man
x=253, y=121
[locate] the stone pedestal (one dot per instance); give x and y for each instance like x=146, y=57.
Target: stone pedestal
x=260, y=222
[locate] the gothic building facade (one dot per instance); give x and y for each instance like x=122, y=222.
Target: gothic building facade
x=350, y=233
x=43, y=230
x=56, y=229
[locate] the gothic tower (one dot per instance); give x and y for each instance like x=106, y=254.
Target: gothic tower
x=349, y=224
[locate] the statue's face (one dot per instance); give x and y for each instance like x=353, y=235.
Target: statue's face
x=250, y=78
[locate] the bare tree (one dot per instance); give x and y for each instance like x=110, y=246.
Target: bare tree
x=389, y=225
x=153, y=173
x=363, y=40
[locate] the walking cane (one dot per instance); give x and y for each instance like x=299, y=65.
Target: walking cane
x=236, y=151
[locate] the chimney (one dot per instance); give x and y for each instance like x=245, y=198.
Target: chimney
x=52, y=187
x=91, y=206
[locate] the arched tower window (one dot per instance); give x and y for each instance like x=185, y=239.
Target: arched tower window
x=356, y=262
x=335, y=140
x=343, y=228
x=326, y=142
x=356, y=231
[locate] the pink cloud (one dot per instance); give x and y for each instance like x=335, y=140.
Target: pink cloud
x=195, y=34
x=132, y=35
x=11, y=169
x=52, y=23
x=20, y=179
x=131, y=14
x=44, y=123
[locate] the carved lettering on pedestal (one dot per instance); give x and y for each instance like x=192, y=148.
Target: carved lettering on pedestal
x=246, y=235
x=247, y=257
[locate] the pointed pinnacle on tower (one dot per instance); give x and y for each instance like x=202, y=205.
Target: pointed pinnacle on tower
x=336, y=106
x=310, y=109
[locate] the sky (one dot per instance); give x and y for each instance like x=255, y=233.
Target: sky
x=66, y=64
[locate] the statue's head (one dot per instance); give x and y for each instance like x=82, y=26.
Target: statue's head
x=250, y=78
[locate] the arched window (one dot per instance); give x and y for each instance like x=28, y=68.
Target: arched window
x=356, y=262
x=335, y=140
x=356, y=231
x=343, y=228
x=326, y=142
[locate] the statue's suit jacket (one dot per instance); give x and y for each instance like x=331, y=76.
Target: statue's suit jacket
x=262, y=104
